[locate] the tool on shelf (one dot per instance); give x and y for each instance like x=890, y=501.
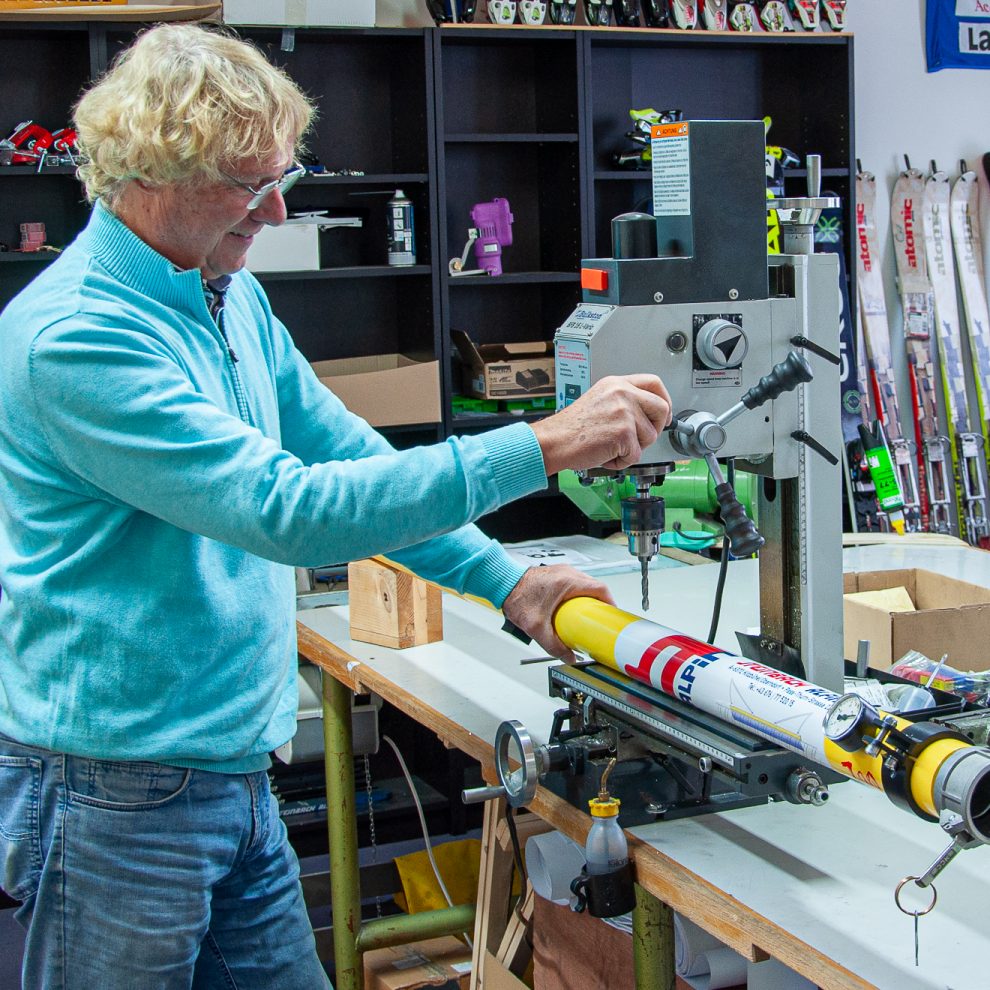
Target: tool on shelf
x=490, y=233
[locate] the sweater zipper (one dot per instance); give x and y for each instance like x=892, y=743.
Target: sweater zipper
x=234, y=373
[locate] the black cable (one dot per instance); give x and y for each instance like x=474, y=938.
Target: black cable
x=510, y=821
x=723, y=565
x=679, y=530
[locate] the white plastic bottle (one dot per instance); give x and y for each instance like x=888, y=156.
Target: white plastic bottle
x=606, y=849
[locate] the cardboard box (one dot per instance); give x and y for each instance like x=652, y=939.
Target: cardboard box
x=436, y=962
x=504, y=371
x=301, y=13
x=951, y=617
x=385, y=389
x=295, y=246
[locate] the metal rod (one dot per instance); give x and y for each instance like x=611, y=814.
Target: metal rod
x=401, y=929
x=653, y=943
x=345, y=897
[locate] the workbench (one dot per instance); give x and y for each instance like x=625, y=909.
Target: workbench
x=812, y=887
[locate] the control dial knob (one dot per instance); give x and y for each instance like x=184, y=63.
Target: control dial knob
x=721, y=344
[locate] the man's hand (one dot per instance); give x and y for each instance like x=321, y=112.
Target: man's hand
x=534, y=600
x=609, y=426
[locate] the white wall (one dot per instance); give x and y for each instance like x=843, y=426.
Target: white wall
x=902, y=109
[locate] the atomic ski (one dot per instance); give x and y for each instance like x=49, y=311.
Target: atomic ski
x=964, y=210
x=967, y=446
x=934, y=449
x=876, y=334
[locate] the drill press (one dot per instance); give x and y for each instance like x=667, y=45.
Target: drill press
x=689, y=294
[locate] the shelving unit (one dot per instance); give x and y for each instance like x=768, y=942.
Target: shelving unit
x=456, y=116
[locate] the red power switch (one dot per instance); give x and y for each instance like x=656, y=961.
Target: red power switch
x=595, y=279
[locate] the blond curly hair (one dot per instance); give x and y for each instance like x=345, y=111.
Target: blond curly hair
x=183, y=104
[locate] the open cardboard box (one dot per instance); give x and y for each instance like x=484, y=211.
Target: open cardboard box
x=506, y=371
x=385, y=389
x=437, y=962
x=950, y=616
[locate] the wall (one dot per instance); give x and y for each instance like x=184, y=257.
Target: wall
x=902, y=109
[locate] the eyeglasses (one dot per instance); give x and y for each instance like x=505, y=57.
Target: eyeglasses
x=289, y=178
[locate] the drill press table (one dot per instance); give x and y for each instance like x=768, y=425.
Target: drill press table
x=812, y=887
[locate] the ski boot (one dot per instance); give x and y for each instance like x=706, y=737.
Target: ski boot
x=598, y=13
x=835, y=14
x=743, y=16
x=804, y=13
x=563, y=11
x=774, y=16
x=641, y=156
x=532, y=12
x=713, y=15
x=501, y=11
x=626, y=12
x=681, y=14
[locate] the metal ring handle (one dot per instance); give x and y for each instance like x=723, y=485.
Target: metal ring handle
x=914, y=914
x=520, y=784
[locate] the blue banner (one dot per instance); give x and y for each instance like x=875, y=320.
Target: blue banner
x=958, y=34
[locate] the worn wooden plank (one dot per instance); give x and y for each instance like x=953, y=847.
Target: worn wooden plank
x=516, y=947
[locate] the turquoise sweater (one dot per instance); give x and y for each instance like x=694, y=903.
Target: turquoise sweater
x=155, y=494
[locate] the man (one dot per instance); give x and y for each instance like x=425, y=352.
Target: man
x=166, y=455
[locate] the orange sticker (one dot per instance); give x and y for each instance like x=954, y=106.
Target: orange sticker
x=680, y=129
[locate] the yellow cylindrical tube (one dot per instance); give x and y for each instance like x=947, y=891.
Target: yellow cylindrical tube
x=776, y=706
x=592, y=626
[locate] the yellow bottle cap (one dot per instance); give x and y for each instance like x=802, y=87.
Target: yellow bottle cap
x=607, y=808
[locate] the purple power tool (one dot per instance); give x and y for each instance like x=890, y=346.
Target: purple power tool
x=493, y=221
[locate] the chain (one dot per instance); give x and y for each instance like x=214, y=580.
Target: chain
x=371, y=826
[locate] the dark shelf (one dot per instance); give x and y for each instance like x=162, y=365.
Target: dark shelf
x=357, y=271
x=486, y=421
x=827, y=173
x=38, y=257
x=371, y=178
x=514, y=278
x=645, y=175
x=511, y=138
x=620, y=175
x=33, y=170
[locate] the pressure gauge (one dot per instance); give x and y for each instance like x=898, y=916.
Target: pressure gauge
x=848, y=719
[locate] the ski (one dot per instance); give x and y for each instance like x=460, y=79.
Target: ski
x=876, y=334
x=964, y=214
x=933, y=447
x=861, y=490
x=966, y=445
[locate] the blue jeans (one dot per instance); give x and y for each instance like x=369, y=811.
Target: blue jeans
x=141, y=875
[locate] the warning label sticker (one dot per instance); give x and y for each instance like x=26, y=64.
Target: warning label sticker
x=670, y=145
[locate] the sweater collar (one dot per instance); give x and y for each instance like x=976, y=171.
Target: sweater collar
x=138, y=265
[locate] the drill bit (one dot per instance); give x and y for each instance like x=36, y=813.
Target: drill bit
x=644, y=568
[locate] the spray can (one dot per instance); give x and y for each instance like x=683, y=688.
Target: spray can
x=401, y=230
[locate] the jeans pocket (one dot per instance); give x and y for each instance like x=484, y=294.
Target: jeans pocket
x=124, y=786
x=20, y=832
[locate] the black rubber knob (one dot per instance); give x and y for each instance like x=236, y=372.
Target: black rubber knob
x=785, y=376
x=740, y=531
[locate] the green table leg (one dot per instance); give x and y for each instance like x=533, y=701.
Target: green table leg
x=653, y=943
x=345, y=896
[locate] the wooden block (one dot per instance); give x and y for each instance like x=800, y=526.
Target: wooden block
x=389, y=606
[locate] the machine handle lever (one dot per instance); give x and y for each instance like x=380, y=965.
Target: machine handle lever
x=784, y=377
x=741, y=532
x=479, y=795
x=806, y=438
x=809, y=345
